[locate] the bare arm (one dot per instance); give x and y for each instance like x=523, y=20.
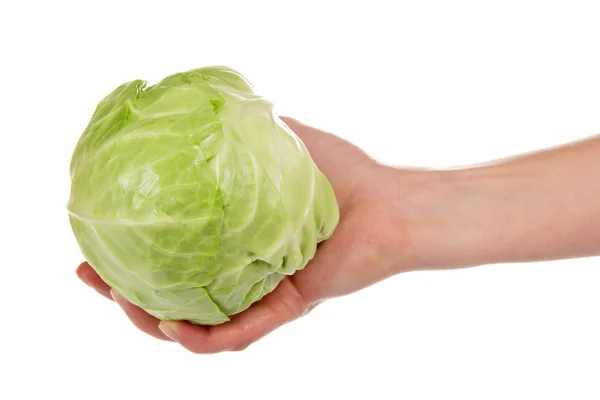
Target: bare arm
x=534, y=207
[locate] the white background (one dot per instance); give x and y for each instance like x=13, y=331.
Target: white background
x=426, y=83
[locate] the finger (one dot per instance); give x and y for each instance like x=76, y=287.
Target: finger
x=344, y=164
x=281, y=306
x=140, y=318
x=310, y=136
x=87, y=274
x=317, y=141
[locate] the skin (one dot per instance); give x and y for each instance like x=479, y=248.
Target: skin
x=534, y=207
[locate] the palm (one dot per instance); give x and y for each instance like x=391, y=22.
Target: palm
x=333, y=272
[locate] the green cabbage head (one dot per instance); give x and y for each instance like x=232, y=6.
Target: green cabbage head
x=192, y=199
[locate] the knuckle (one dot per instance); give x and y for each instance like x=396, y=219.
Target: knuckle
x=196, y=350
x=241, y=347
x=295, y=305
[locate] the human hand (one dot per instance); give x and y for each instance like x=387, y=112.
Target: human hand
x=368, y=245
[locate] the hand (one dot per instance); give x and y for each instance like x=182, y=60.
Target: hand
x=364, y=249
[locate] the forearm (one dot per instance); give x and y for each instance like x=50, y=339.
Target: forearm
x=540, y=206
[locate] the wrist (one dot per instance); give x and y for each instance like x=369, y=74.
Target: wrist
x=448, y=218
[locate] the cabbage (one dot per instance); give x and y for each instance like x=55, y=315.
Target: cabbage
x=192, y=199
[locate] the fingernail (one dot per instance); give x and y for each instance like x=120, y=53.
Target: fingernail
x=116, y=296
x=169, y=329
